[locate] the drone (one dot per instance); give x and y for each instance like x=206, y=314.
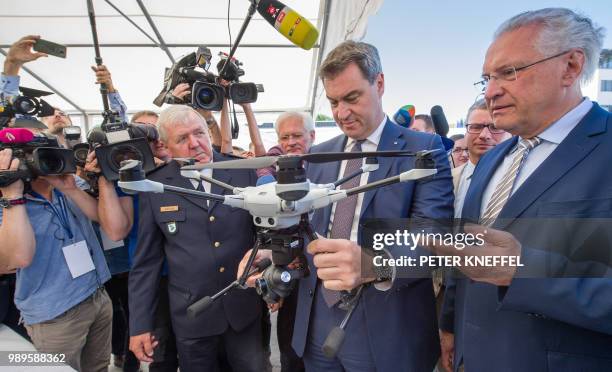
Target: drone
x=281, y=212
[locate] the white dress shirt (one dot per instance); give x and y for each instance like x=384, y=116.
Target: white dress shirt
x=464, y=185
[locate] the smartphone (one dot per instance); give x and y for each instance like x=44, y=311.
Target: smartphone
x=50, y=48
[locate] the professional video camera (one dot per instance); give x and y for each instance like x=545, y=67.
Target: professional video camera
x=39, y=155
x=206, y=92
x=118, y=141
x=24, y=107
x=281, y=212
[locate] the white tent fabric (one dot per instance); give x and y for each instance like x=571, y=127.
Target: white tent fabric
x=137, y=65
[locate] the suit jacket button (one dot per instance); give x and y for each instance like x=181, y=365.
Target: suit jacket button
x=221, y=269
x=310, y=293
x=211, y=218
x=217, y=244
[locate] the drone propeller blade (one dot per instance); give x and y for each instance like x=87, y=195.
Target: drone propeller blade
x=338, y=156
x=252, y=163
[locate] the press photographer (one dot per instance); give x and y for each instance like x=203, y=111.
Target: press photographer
x=46, y=235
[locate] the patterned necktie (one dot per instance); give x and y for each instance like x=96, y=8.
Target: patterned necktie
x=504, y=188
x=344, y=215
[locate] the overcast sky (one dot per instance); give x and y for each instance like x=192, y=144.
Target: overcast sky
x=432, y=51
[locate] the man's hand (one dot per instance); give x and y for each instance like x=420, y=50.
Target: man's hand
x=338, y=263
x=142, y=346
x=261, y=254
x=181, y=90
x=91, y=163
x=447, y=345
x=7, y=163
x=103, y=76
x=496, y=243
x=20, y=53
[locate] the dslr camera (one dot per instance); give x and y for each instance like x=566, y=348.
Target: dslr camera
x=206, y=92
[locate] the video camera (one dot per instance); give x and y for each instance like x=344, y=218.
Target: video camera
x=206, y=92
x=39, y=155
x=115, y=142
x=25, y=106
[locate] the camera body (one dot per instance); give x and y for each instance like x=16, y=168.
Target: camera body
x=206, y=92
x=42, y=156
x=116, y=142
x=26, y=106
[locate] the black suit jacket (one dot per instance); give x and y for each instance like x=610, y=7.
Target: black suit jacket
x=202, y=246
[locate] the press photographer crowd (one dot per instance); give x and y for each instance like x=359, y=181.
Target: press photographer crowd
x=153, y=241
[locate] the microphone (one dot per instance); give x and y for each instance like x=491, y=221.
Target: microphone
x=439, y=120
x=404, y=116
x=96, y=136
x=268, y=178
x=16, y=135
x=289, y=23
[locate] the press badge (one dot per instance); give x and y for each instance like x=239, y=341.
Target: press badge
x=78, y=259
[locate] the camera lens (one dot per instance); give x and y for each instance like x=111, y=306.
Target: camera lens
x=80, y=155
x=51, y=165
x=206, y=96
x=121, y=153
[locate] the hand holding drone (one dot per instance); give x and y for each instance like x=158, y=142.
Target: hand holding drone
x=281, y=212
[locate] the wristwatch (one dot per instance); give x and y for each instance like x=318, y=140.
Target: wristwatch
x=7, y=203
x=382, y=273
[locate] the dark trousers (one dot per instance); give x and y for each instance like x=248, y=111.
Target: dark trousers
x=165, y=357
x=9, y=314
x=290, y=361
x=243, y=350
x=117, y=288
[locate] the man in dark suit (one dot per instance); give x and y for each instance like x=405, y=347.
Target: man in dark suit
x=393, y=325
x=202, y=243
x=535, y=187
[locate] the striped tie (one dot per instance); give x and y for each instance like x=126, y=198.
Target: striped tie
x=504, y=188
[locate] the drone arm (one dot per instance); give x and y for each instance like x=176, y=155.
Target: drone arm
x=348, y=178
x=413, y=174
x=218, y=183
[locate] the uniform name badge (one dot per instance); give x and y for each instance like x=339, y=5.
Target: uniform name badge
x=78, y=259
x=172, y=230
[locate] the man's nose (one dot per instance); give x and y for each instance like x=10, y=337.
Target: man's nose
x=343, y=111
x=493, y=90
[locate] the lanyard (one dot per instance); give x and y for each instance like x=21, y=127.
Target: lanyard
x=62, y=214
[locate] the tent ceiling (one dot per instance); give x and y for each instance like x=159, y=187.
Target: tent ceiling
x=284, y=70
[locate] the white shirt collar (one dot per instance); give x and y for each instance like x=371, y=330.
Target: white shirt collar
x=557, y=131
x=373, y=138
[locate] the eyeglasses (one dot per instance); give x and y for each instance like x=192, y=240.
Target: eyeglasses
x=459, y=150
x=509, y=73
x=477, y=128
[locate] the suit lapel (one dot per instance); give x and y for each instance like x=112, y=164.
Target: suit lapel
x=222, y=175
x=180, y=181
x=580, y=142
x=390, y=140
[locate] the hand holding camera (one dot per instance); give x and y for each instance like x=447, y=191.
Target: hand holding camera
x=8, y=164
x=20, y=53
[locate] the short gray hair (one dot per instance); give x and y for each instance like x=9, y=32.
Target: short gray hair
x=562, y=29
x=480, y=104
x=364, y=55
x=177, y=114
x=304, y=117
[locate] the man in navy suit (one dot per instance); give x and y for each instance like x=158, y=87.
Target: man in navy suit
x=556, y=168
x=393, y=325
x=202, y=243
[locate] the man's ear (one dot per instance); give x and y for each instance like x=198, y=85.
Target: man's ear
x=573, y=67
x=380, y=84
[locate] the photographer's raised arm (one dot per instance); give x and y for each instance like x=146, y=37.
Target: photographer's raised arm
x=16, y=234
x=19, y=53
x=256, y=140
x=226, y=130
x=103, y=76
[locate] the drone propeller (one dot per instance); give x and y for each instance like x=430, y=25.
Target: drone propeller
x=322, y=157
